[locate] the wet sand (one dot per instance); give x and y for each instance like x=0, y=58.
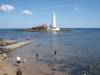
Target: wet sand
x=31, y=64
x=36, y=68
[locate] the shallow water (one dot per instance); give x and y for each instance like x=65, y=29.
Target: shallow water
x=77, y=50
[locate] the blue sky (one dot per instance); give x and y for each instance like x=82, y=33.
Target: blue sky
x=69, y=13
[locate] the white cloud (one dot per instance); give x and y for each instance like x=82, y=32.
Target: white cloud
x=27, y=12
x=6, y=8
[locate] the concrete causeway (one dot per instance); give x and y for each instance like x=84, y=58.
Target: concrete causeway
x=18, y=44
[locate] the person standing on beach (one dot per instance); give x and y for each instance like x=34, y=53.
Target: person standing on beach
x=37, y=55
x=55, y=52
x=18, y=72
x=28, y=38
x=4, y=56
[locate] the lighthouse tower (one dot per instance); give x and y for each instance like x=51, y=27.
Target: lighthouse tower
x=54, y=20
x=54, y=26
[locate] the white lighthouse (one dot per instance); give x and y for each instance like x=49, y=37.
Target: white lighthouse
x=54, y=20
x=54, y=26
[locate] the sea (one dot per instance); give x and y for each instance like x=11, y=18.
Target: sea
x=78, y=50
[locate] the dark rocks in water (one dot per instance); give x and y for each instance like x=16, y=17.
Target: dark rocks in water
x=89, y=70
x=1, y=39
x=41, y=27
x=3, y=50
x=65, y=29
x=5, y=42
x=39, y=45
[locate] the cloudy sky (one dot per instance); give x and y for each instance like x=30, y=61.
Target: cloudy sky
x=69, y=13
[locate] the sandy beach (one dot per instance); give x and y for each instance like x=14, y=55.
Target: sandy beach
x=7, y=68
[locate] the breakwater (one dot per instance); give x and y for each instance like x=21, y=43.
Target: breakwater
x=18, y=44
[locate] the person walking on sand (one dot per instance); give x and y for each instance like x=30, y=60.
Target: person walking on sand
x=18, y=59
